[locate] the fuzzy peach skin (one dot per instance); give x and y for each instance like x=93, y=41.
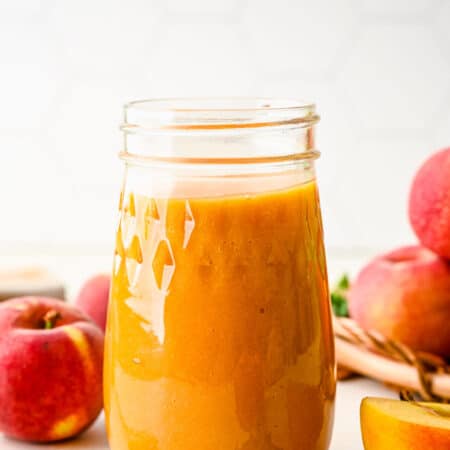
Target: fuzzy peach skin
x=50, y=379
x=93, y=298
x=405, y=295
x=429, y=203
x=396, y=425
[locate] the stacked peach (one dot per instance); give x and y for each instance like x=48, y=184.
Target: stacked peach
x=51, y=358
x=405, y=293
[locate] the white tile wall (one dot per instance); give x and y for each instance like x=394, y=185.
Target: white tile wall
x=379, y=71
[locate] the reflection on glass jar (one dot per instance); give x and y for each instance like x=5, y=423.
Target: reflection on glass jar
x=219, y=329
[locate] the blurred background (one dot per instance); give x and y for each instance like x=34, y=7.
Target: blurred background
x=379, y=71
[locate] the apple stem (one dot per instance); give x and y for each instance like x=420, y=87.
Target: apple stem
x=50, y=318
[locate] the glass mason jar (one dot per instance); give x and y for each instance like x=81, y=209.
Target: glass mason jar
x=219, y=333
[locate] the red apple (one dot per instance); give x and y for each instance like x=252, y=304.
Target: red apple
x=405, y=295
x=93, y=298
x=429, y=203
x=51, y=357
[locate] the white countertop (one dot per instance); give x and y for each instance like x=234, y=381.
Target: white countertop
x=346, y=434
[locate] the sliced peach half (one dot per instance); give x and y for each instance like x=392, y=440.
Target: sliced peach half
x=388, y=424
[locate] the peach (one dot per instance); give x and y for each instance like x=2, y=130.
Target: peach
x=393, y=424
x=429, y=203
x=51, y=359
x=93, y=298
x=405, y=295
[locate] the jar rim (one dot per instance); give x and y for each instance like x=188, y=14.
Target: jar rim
x=200, y=104
x=215, y=114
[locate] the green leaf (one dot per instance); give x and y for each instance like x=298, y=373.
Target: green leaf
x=344, y=282
x=339, y=304
x=339, y=301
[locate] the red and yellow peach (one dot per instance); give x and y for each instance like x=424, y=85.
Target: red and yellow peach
x=93, y=298
x=393, y=424
x=405, y=295
x=429, y=203
x=51, y=358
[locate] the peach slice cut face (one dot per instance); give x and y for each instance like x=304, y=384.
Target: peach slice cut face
x=394, y=424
